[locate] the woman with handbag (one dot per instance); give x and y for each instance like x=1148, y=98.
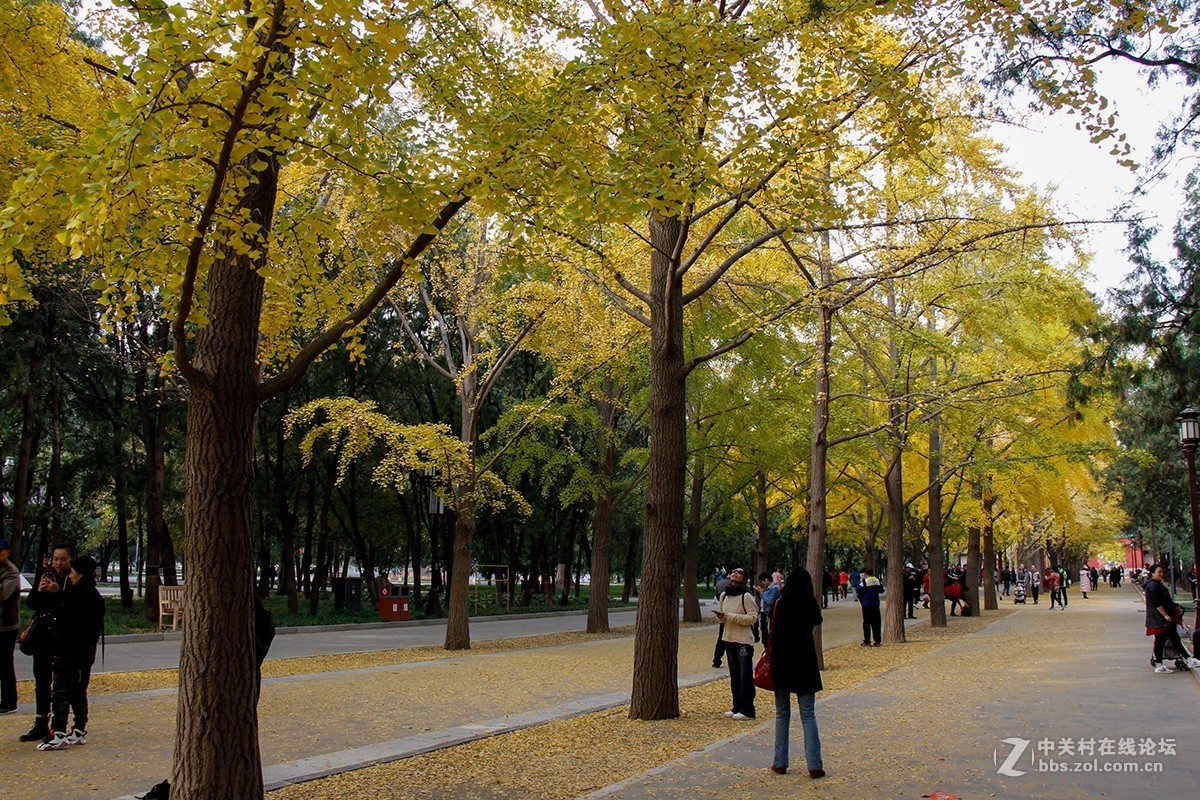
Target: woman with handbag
x=793, y=658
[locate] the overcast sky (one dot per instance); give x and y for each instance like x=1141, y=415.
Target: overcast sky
x=1087, y=181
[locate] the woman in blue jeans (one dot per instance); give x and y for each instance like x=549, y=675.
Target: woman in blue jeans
x=794, y=669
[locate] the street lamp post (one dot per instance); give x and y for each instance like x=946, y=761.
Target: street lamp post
x=1189, y=439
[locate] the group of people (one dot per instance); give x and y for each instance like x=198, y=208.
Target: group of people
x=69, y=618
x=786, y=617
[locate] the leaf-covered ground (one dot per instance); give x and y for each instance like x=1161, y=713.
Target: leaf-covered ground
x=569, y=758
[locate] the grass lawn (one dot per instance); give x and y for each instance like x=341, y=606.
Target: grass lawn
x=118, y=620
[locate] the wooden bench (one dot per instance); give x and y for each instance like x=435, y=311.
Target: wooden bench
x=170, y=604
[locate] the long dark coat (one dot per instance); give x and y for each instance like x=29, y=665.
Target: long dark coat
x=793, y=654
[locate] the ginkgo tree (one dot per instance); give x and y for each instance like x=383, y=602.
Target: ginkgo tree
x=269, y=173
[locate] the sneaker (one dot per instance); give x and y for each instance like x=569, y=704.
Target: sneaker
x=877, y=645
x=56, y=742
x=38, y=733
x=1193, y=662
x=728, y=714
x=740, y=715
x=1162, y=668
x=7, y=710
x=77, y=736
x=816, y=773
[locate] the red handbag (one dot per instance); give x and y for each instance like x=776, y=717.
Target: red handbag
x=762, y=670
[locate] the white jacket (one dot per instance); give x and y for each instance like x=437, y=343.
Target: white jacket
x=741, y=612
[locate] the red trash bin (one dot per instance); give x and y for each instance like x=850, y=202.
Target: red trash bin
x=394, y=609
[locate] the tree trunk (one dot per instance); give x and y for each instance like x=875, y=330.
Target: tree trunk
x=566, y=554
x=54, y=482
x=937, y=563
x=26, y=453
x=324, y=533
x=989, y=555
x=629, y=587
x=691, y=591
x=893, y=620
x=656, y=646
x=458, y=631
x=216, y=751
x=762, y=552
x=216, y=742
x=120, y=501
x=871, y=546
x=973, y=564
x=597, y=620
x=159, y=548
x=818, y=457
x=287, y=523
x=310, y=525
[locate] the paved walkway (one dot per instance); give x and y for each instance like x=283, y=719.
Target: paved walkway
x=317, y=723
x=158, y=653
x=1039, y=681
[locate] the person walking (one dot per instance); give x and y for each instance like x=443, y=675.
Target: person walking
x=1161, y=616
x=1052, y=582
x=738, y=612
x=912, y=591
x=10, y=623
x=45, y=599
x=794, y=670
x=1035, y=582
x=1085, y=582
x=827, y=582
x=868, y=595
x=77, y=630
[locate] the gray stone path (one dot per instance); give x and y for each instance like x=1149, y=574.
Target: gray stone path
x=1039, y=682
x=318, y=723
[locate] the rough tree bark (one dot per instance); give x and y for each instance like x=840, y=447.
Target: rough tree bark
x=597, y=619
x=217, y=664
x=893, y=618
x=656, y=654
x=819, y=454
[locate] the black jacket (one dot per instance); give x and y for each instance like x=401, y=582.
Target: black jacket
x=793, y=653
x=78, y=623
x=1158, y=595
x=46, y=601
